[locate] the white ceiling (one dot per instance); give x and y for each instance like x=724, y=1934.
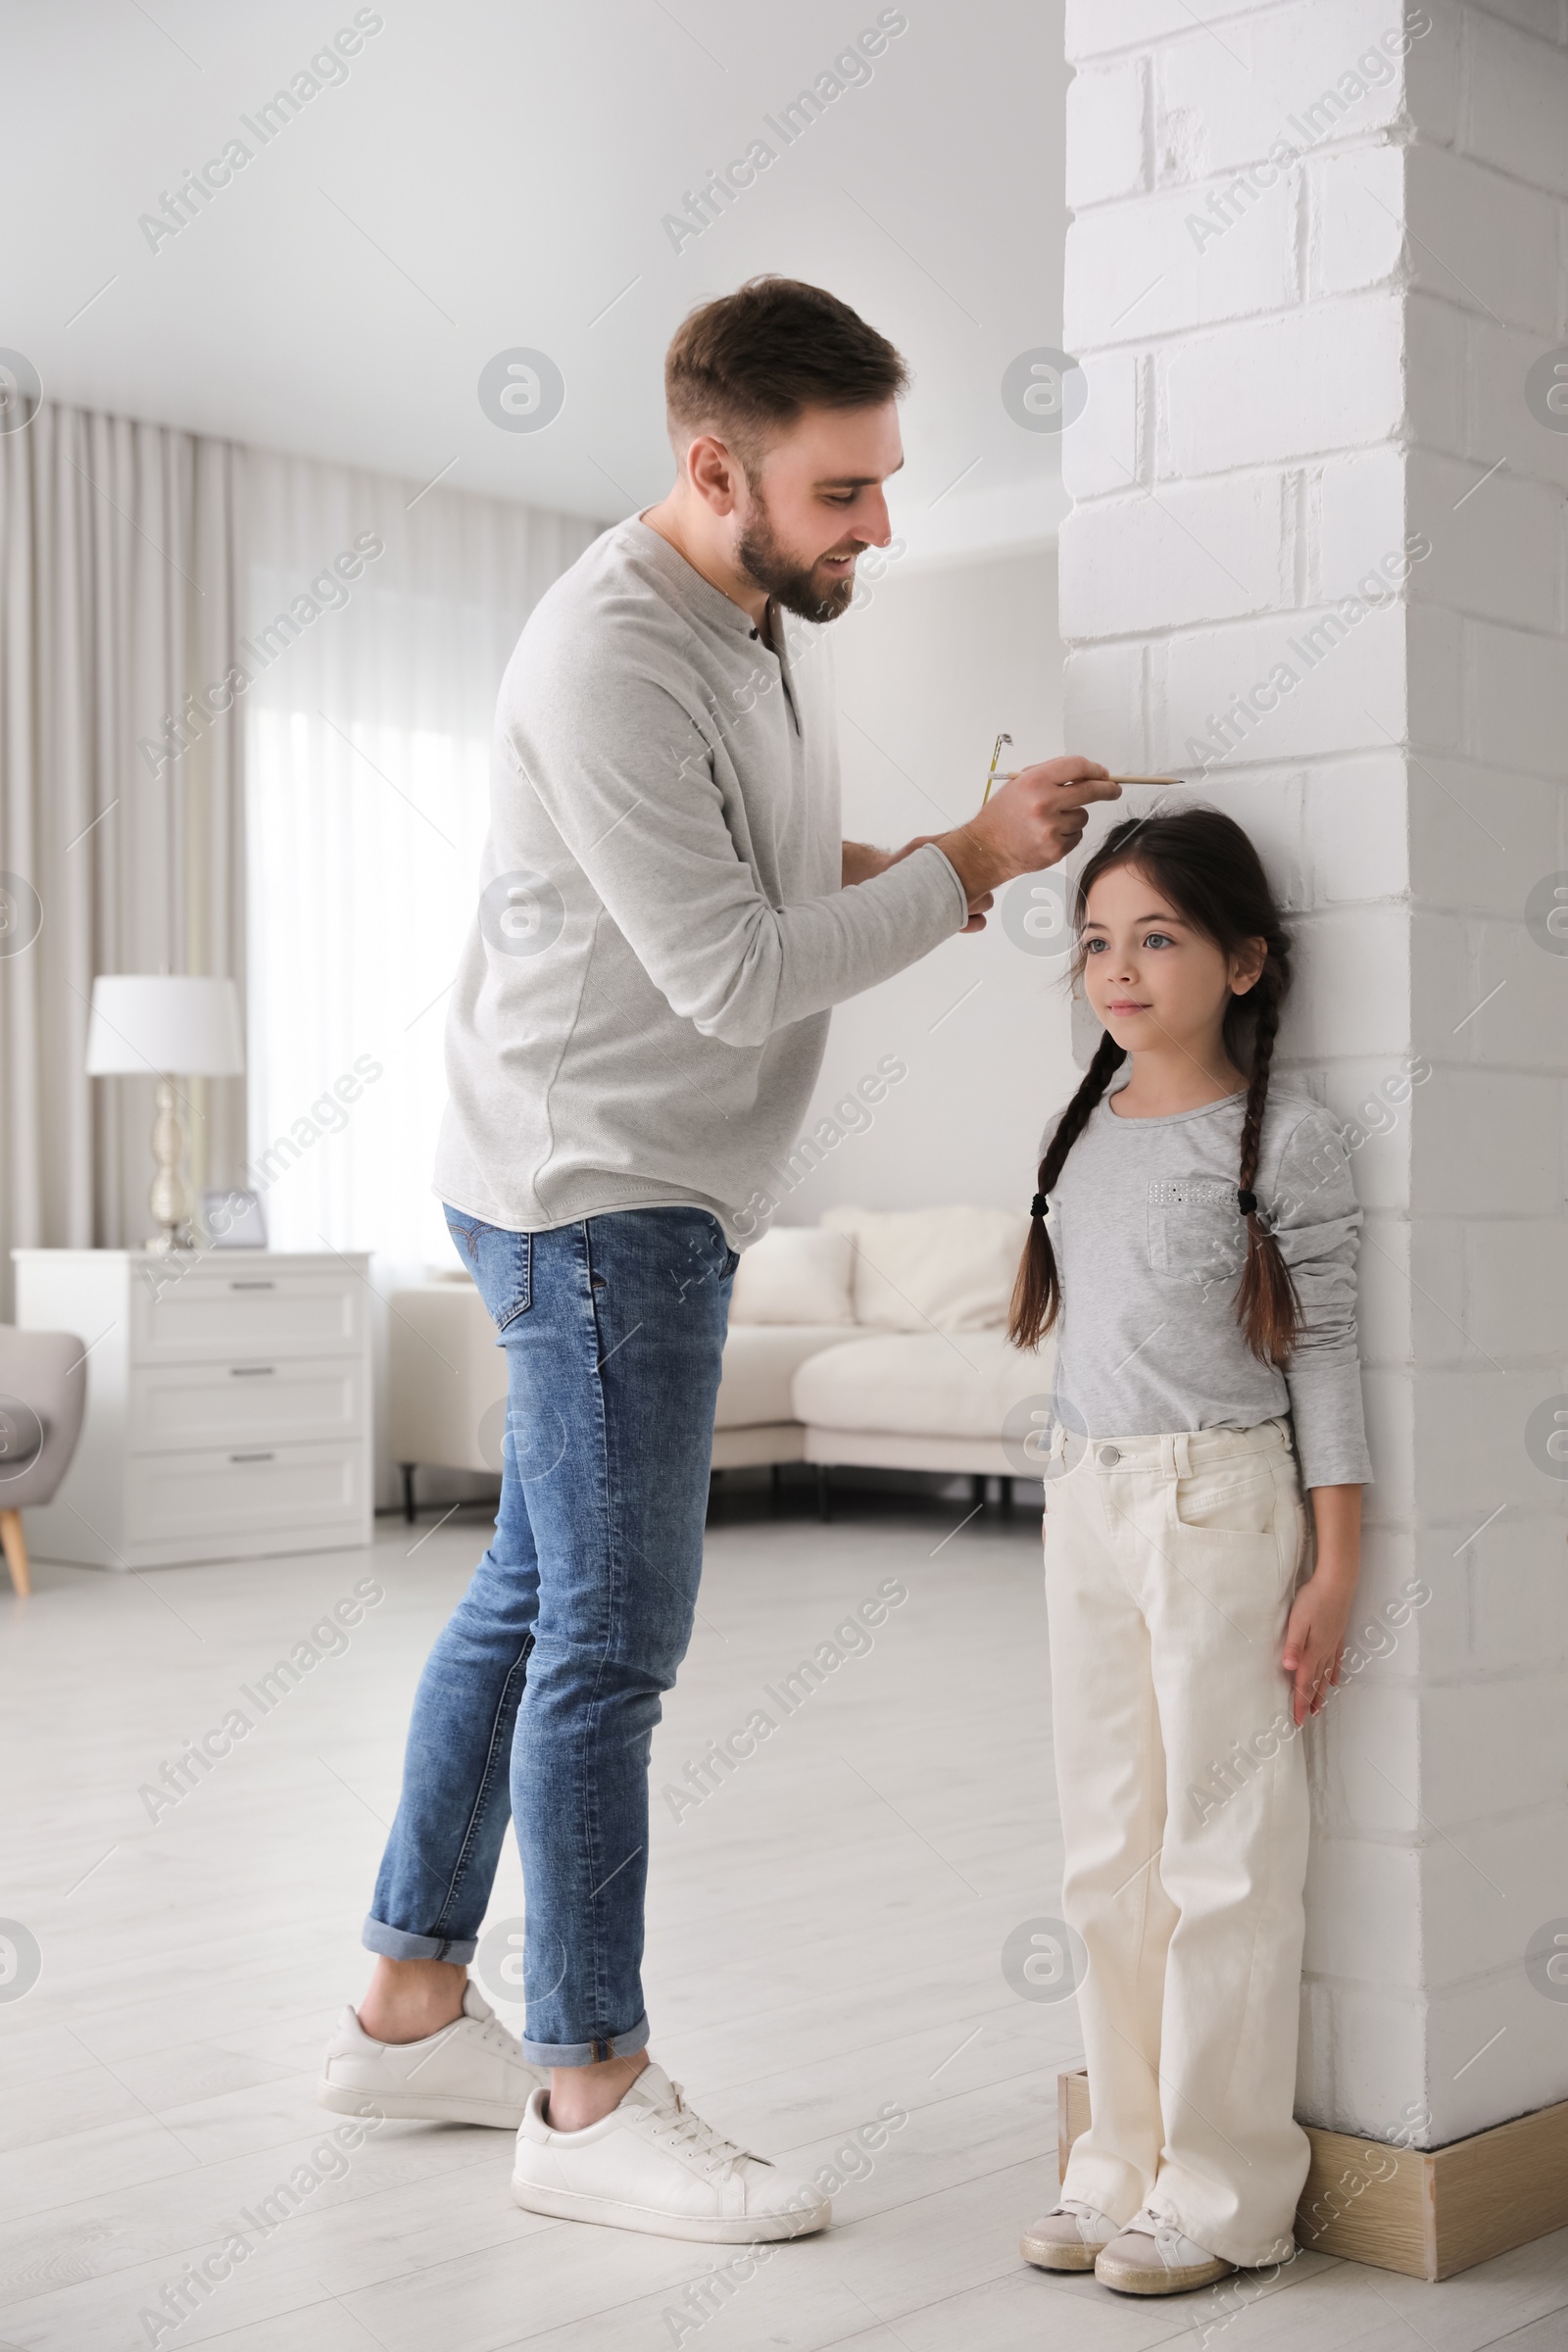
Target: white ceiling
x=494, y=175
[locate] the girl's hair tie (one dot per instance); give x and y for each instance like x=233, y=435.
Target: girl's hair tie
x=1039, y=1206
x=1247, y=1202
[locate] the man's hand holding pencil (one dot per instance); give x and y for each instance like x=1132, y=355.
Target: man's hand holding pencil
x=1030, y=819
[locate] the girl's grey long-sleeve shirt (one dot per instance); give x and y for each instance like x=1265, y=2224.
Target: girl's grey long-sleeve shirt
x=1149, y=1245
x=642, y=1004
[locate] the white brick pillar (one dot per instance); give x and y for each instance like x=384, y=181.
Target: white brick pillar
x=1316, y=564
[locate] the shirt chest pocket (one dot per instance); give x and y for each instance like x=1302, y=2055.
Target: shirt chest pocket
x=1195, y=1231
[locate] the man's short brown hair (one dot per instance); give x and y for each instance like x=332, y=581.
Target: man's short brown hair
x=746, y=365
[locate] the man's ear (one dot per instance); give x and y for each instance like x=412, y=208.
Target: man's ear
x=713, y=473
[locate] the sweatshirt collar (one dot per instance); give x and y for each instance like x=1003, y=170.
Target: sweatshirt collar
x=692, y=591
x=1169, y=1118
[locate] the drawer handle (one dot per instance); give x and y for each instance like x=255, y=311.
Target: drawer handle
x=251, y=1457
x=250, y=1286
x=251, y=1371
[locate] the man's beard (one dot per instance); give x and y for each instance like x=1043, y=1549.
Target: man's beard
x=789, y=583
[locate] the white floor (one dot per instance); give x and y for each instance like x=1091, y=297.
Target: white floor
x=825, y=1933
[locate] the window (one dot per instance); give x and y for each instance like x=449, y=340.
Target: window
x=369, y=720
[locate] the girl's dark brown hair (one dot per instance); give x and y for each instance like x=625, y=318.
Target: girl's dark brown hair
x=1210, y=873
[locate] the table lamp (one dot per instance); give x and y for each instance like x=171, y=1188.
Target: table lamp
x=165, y=1025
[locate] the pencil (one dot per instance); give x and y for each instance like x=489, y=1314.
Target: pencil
x=995, y=754
x=1158, y=783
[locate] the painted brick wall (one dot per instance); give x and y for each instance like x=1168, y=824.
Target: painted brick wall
x=1316, y=248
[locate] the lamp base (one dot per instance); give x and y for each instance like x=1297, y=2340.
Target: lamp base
x=168, y=1199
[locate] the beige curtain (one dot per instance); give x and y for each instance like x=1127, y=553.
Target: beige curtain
x=120, y=828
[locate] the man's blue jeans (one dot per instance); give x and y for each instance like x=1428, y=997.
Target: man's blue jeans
x=540, y=1697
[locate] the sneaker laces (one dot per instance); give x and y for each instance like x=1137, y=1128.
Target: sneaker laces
x=689, y=2135
x=1164, y=2232
x=490, y=2031
x=495, y=2035
x=1080, y=2209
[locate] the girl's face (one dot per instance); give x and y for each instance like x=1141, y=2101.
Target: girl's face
x=1154, y=980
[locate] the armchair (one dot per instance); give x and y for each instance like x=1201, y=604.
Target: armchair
x=43, y=1389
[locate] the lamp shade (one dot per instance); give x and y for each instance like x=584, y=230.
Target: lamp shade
x=166, y=1022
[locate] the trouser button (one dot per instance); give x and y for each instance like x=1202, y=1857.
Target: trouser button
x=1109, y=1456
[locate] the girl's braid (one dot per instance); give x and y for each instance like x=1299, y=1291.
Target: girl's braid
x=1268, y=1306
x=1037, y=1292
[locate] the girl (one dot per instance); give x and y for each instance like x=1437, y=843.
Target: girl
x=1194, y=1243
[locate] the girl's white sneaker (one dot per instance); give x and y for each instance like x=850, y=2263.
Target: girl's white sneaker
x=652, y=2163
x=1068, y=2238
x=472, y=2071
x=1151, y=2257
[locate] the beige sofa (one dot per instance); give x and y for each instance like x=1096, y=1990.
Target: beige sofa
x=874, y=1339
x=919, y=1373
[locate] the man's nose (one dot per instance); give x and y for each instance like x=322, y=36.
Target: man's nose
x=871, y=525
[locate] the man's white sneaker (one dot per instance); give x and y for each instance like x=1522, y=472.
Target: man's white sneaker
x=653, y=2165
x=472, y=2071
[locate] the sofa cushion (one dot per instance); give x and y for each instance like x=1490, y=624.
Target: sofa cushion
x=760, y=1362
x=795, y=1274
x=915, y=1269
x=929, y=1385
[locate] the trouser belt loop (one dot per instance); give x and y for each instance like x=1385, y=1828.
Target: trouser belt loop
x=1184, y=1465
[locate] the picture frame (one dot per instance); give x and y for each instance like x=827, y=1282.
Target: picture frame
x=234, y=1220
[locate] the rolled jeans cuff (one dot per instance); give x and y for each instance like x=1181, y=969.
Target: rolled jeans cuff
x=397, y=1943
x=588, y=2053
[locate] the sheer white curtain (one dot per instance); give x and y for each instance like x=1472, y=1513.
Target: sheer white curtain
x=119, y=823
x=385, y=619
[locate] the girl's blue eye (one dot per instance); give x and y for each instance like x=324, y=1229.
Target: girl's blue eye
x=1091, y=947
x=1158, y=939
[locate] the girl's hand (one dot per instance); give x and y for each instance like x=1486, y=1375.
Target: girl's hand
x=1314, y=1636
x=1314, y=1641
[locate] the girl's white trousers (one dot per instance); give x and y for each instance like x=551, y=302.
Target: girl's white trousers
x=1170, y=1566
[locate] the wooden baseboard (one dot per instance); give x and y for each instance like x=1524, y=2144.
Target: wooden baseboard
x=1436, y=2211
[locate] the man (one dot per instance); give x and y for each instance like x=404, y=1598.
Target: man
x=668, y=912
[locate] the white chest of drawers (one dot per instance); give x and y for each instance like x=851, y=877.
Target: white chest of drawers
x=229, y=1404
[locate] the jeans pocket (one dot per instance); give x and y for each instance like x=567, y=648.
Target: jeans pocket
x=501, y=1263
x=727, y=1259
x=1232, y=1499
